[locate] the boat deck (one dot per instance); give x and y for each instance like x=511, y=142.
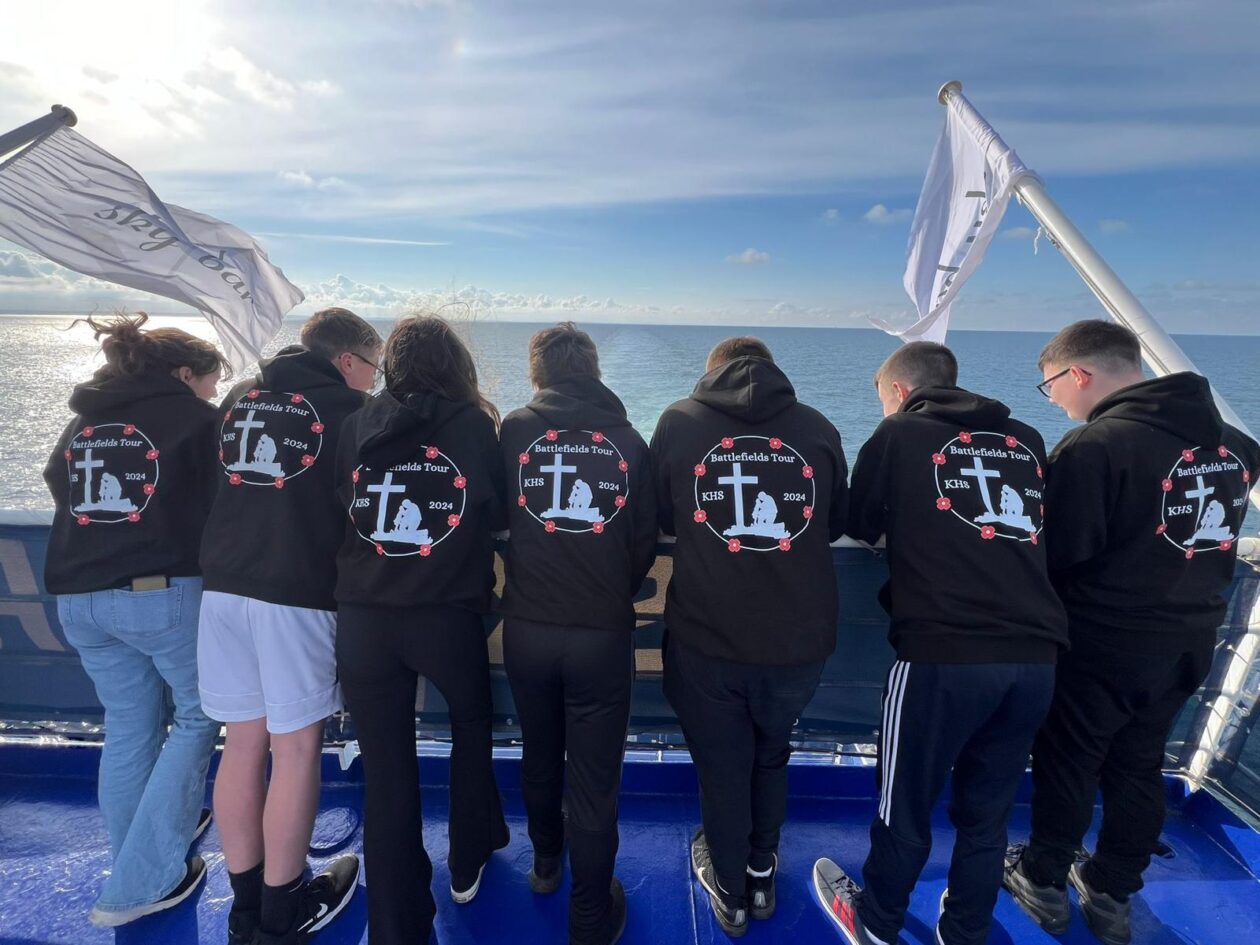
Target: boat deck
x=53, y=850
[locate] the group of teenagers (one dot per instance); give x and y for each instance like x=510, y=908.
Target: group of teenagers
x=308, y=545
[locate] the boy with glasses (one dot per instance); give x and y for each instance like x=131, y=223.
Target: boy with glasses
x=1144, y=506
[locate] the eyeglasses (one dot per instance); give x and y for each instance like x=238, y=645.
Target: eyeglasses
x=375, y=367
x=1044, y=386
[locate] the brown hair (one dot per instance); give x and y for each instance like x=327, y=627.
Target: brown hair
x=556, y=354
x=920, y=364
x=332, y=331
x=130, y=349
x=741, y=346
x=423, y=353
x=1110, y=346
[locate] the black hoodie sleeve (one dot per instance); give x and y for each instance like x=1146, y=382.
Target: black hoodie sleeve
x=664, y=496
x=868, y=495
x=838, y=519
x=1079, y=502
x=643, y=548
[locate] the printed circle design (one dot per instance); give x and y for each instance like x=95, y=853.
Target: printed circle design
x=1203, y=500
x=269, y=437
x=411, y=507
x=571, y=481
x=991, y=482
x=753, y=495
x=112, y=470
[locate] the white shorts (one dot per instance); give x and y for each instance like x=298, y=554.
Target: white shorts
x=259, y=660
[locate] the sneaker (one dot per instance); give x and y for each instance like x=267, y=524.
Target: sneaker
x=464, y=889
x=1045, y=905
x=617, y=915
x=1106, y=916
x=323, y=899
x=839, y=896
x=732, y=918
x=194, y=873
x=203, y=821
x=544, y=875
x=242, y=926
x=761, y=892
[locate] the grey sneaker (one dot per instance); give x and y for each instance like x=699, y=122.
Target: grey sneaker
x=1045, y=905
x=732, y=918
x=839, y=895
x=1106, y=916
x=761, y=892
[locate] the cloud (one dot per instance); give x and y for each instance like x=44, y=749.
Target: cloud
x=830, y=217
x=882, y=215
x=749, y=257
x=1114, y=226
x=301, y=180
x=1018, y=233
x=338, y=238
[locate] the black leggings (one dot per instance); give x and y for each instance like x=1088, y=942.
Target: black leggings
x=572, y=691
x=381, y=653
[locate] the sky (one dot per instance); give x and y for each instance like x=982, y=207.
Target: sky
x=731, y=162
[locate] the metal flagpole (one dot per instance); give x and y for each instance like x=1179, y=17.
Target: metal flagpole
x=1158, y=348
x=60, y=115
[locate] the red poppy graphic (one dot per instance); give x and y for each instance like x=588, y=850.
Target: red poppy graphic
x=452, y=520
x=426, y=550
x=623, y=466
x=1189, y=553
x=1032, y=536
x=987, y=532
x=938, y=458
x=1246, y=475
x=552, y=435
x=235, y=479
x=1166, y=485
x=727, y=442
x=597, y=528
x=431, y=453
x=227, y=416
x=520, y=500
x=308, y=459
x=88, y=431
x=460, y=482
x=1039, y=473
x=83, y=520
x=297, y=398
x=775, y=443
x=317, y=427
x=733, y=545
x=380, y=549
x=549, y=527
x=700, y=516
x=133, y=516
x=1161, y=528
x=1011, y=441
x=152, y=454
x=620, y=501
x=253, y=394
x=523, y=459
x=354, y=476
x=943, y=503
x=1188, y=455
x=129, y=429
x=1041, y=510
x=68, y=454
x=808, y=511
x=220, y=455
x=597, y=437
x=1222, y=452
x=965, y=436
x=808, y=472
x=278, y=482
x=1226, y=545
x=699, y=470
x=785, y=544
x=149, y=488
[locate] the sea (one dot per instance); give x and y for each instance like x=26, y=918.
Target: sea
x=649, y=365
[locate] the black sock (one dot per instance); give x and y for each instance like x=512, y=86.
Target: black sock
x=760, y=862
x=280, y=906
x=247, y=889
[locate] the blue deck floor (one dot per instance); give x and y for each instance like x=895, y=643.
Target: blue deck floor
x=53, y=851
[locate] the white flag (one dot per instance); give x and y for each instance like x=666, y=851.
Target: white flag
x=70, y=201
x=965, y=193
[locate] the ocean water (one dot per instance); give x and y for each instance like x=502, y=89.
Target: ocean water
x=649, y=366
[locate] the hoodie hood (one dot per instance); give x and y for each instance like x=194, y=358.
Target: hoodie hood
x=579, y=403
x=389, y=430
x=957, y=406
x=97, y=397
x=749, y=389
x=296, y=368
x=1180, y=404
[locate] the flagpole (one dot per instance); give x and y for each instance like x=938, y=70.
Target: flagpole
x=1159, y=350
x=59, y=115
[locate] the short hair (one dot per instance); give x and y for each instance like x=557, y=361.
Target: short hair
x=921, y=364
x=1105, y=344
x=559, y=353
x=741, y=346
x=332, y=331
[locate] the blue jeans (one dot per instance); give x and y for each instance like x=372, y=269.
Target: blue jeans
x=152, y=784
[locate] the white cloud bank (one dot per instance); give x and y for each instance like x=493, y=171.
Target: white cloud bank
x=749, y=257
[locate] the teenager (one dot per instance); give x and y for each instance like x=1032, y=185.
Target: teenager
x=268, y=619
x=1145, y=503
x=583, y=537
x=419, y=471
x=954, y=484
x=132, y=483
x=753, y=484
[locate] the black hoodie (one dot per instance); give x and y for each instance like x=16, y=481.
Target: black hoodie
x=132, y=481
x=580, y=546
x=422, y=481
x=955, y=485
x=753, y=577
x=276, y=526
x=1145, y=502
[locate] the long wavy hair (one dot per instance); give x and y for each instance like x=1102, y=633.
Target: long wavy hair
x=423, y=353
x=130, y=349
